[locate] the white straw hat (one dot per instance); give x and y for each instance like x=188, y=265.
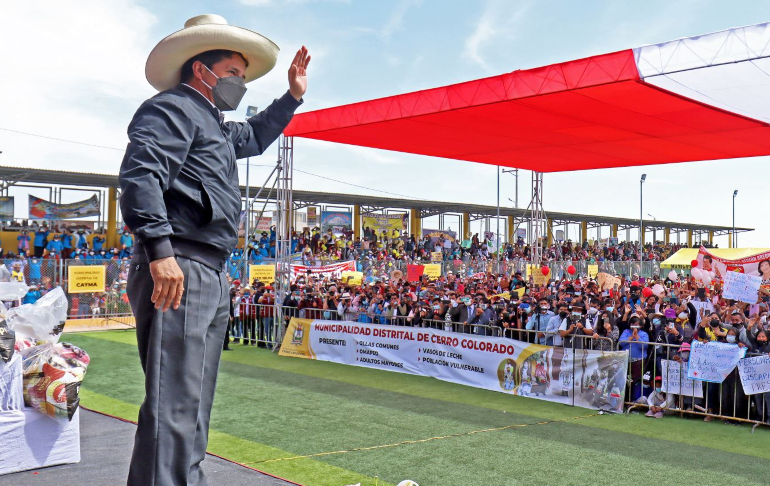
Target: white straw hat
x=207, y=33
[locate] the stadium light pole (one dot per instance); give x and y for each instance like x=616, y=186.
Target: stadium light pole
x=641, y=214
x=735, y=236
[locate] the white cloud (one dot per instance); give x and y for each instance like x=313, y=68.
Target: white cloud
x=497, y=20
x=396, y=18
x=78, y=74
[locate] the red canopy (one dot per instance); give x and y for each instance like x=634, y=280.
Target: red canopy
x=586, y=114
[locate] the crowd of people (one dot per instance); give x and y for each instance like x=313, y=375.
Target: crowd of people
x=314, y=246
x=565, y=312
x=41, y=241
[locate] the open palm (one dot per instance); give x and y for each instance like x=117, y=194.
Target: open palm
x=298, y=73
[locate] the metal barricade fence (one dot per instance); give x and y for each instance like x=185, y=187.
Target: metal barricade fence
x=111, y=302
x=725, y=400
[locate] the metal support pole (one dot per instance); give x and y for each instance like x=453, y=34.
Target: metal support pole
x=641, y=215
x=735, y=236
x=497, y=241
x=285, y=203
x=246, y=234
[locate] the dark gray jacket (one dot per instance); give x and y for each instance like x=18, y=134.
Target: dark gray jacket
x=179, y=177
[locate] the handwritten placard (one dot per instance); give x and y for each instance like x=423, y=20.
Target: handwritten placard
x=713, y=361
x=741, y=286
x=607, y=281
x=755, y=374
x=675, y=380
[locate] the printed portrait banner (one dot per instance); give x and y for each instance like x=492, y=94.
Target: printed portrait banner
x=757, y=264
x=6, y=207
x=42, y=209
x=741, y=286
x=85, y=279
x=339, y=222
x=755, y=374
x=392, y=224
x=327, y=271
x=713, y=361
x=675, y=380
x=263, y=273
x=312, y=216
x=593, y=271
x=586, y=378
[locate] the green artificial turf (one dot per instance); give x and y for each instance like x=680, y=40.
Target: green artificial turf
x=269, y=409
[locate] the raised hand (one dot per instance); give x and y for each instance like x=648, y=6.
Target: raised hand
x=298, y=73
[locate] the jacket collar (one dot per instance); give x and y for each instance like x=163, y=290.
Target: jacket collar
x=198, y=97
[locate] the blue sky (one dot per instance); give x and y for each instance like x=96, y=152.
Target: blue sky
x=78, y=75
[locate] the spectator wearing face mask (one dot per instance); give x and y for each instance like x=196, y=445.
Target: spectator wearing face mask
x=539, y=322
x=657, y=401
x=555, y=323
x=484, y=318
x=633, y=335
x=464, y=313
x=575, y=328
x=711, y=330
x=605, y=328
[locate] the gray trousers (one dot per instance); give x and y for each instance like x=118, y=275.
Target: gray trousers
x=179, y=351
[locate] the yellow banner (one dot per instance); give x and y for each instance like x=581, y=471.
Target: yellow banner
x=352, y=278
x=432, y=270
x=85, y=279
x=296, y=341
x=436, y=256
x=263, y=273
x=593, y=271
x=392, y=224
x=537, y=275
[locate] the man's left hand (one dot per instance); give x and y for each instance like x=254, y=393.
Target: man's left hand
x=298, y=73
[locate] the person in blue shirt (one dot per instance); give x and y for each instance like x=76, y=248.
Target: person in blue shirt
x=126, y=241
x=97, y=243
x=125, y=252
x=82, y=240
x=34, y=271
x=55, y=247
x=33, y=294
x=67, y=241
x=632, y=334
x=41, y=240
x=24, y=241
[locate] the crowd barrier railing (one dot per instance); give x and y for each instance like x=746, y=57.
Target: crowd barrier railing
x=726, y=401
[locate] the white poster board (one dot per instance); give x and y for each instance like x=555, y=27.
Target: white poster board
x=755, y=374
x=713, y=361
x=741, y=286
x=675, y=380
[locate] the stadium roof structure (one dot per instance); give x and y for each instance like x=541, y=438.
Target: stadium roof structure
x=11, y=175
x=691, y=99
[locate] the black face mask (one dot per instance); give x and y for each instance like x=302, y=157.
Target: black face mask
x=714, y=323
x=563, y=314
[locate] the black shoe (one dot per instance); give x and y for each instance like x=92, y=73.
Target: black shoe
x=227, y=349
x=245, y=343
x=236, y=341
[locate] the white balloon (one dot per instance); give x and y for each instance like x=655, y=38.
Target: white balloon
x=657, y=289
x=695, y=272
x=672, y=275
x=407, y=482
x=705, y=278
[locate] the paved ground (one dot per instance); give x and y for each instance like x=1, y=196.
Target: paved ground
x=105, y=447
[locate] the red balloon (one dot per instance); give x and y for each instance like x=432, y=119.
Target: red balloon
x=635, y=284
x=646, y=292
x=694, y=263
x=571, y=270
x=545, y=270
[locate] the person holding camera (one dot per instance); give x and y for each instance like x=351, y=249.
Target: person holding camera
x=573, y=328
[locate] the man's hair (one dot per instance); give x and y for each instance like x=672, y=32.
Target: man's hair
x=208, y=58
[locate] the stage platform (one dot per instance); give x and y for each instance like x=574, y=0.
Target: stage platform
x=105, y=450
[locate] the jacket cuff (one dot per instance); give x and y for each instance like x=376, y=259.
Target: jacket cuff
x=158, y=248
x=290, y=103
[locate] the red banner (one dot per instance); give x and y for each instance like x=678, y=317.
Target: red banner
x=758, y=264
